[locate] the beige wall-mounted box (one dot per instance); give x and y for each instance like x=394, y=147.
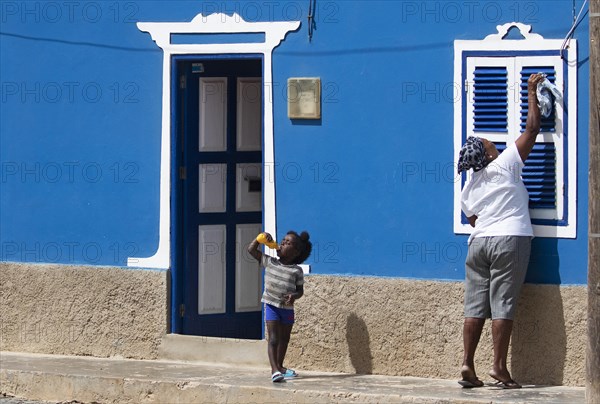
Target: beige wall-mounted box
x=304, y=98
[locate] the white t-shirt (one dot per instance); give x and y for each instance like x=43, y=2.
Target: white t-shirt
x=497, y=195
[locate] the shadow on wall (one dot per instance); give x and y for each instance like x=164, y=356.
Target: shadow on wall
x=539, y=342
x=359, y=347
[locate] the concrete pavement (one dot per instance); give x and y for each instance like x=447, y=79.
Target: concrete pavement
x=57, y=378
x=14, y=400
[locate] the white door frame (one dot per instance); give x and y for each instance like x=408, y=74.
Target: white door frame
x=217, y=23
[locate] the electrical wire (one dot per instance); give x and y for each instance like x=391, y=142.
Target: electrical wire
x=311, y=21
x=570, y=33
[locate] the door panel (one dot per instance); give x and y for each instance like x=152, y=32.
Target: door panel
x=213, y=114
x=249, y=113
x=212, y=188
x=219, y=142
x=248, y=280
x=248, y=188
x=211, y=269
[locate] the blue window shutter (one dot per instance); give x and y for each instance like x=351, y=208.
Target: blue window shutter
x=547, y=124
x=490, y=102
x=539, y=175
x=497, y=109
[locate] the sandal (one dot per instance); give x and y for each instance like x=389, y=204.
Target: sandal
x=277, y=377
x=290, y=373
x=505, y=384
x=469, y=378
x=509, y=384
x=470, y=383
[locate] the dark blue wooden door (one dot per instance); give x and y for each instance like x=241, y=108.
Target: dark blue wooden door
x=219, y=142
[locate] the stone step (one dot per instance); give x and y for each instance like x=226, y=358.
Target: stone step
x=225, y=351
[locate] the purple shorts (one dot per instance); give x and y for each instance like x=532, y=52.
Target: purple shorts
x=285, y=316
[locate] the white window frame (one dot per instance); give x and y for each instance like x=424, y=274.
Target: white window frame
x=494, y=50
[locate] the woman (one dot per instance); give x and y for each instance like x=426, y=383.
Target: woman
x=495, y=202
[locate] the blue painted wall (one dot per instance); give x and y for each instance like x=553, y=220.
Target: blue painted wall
x=372, y=181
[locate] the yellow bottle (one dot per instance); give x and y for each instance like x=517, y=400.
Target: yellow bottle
x=262, y=238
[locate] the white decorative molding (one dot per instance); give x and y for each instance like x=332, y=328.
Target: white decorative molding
x=503, y=31
x=217, y=23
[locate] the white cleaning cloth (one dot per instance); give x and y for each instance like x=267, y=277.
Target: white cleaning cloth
x=547, y=93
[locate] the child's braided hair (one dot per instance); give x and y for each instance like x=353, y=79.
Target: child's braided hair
x=304, y=246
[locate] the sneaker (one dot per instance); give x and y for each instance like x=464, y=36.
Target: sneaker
x=277, y=377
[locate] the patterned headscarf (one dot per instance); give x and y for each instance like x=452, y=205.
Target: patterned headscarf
x=472, y=155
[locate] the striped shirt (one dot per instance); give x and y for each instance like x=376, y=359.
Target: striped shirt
x=280, y=280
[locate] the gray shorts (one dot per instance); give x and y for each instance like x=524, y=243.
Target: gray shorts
x=495, y=269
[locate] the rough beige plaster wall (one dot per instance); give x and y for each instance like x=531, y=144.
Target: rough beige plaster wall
x=414, y=328
x=74, y=310
x=347, y=324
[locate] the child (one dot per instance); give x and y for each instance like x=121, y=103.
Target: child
x=284, y=283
